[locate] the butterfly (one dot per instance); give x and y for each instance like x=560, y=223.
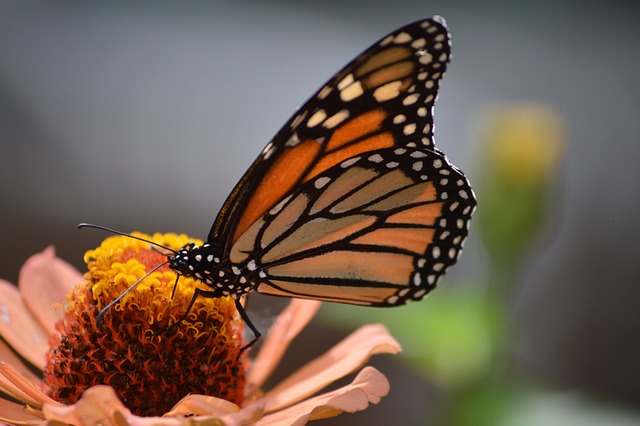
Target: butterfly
x=351, y=201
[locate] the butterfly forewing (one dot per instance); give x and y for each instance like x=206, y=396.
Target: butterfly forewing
x=382, y=99
x=377, y=229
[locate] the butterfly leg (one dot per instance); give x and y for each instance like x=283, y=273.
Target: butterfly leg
x=197, y=293
x=245, y=318
x=175, y=285
x=211, y=294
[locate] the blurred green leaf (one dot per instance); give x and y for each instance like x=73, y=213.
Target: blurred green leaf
x=565, y=409
x=449, y=339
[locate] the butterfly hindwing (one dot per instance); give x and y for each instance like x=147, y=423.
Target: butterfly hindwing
x=377, y=229
x=382, y=99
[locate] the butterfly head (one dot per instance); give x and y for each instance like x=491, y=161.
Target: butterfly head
x=189, y=260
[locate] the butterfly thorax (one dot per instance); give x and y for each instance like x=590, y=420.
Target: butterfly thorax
x=205, y=264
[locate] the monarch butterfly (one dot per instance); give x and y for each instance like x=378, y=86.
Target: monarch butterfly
x=351, y=201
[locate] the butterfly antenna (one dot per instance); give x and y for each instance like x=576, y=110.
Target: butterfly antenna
x=124, y=293
x=124, y=234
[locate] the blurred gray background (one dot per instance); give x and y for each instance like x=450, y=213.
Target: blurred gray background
x=142, y=116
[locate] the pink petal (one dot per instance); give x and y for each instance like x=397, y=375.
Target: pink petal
x=9, y=357
x=211, y=408
x=17, y=414
x=368, y=388
x=25, y=335
x=98, y=405
x=44, y=282
x=202, y=405
x=344, y=358
x=291, y=321
x=15, y=385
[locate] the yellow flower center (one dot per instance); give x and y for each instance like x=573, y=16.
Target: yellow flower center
x=150, y=365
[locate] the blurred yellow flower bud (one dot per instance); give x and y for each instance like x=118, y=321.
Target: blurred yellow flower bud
x=522, y=148
x=524, y=143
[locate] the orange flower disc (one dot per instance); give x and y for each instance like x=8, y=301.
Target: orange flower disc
x=149, y=367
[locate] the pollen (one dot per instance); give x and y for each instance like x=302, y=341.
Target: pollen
x=138, y=349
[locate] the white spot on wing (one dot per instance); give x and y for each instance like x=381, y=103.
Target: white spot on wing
x=296, y=121
x=419, y=294
x=376, y=158
x=416, y=44
x=425, y=58
x=417, y=279
x=411, y=99
x=402, y=38
x=321, y=182
x=351, y=92
x=409, y=129
x=345, y=82
x=317, y=118
x=387, y=91
x=386, y=40
x=349, y=162
x=293, y=140
x=326, y=90
x=400, y=118
x=276, y=209
x=336, y=119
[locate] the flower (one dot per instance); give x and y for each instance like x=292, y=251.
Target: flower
x=27, y=323
x=522, y=153
x=131, y=348
x=523, y=143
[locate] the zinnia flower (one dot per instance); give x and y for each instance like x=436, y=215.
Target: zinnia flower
x=134, y=366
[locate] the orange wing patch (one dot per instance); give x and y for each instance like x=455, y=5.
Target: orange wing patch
x=356, y=128
x=317, y=233
x=383, y=58
x=347, y=141
x=421, y=193
x=343, y=184
x=379, y=187
x=278, y=182
x=383, y=267
x=414, y=240
x=383, y=140
x=356, y=295
x=399, y=71
x=425, y=215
